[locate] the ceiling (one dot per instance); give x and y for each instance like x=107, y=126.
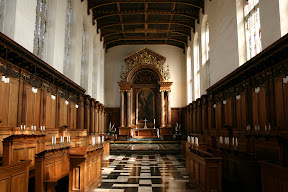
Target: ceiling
x=136, y=22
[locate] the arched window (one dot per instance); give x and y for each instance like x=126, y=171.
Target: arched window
x=252, y=28
x=40, y=33
x=196, y=68
x=189, y=76
x=67, y=38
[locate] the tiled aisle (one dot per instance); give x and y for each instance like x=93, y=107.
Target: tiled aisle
x=145, y=173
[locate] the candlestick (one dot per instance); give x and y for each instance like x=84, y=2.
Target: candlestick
x=236, y=143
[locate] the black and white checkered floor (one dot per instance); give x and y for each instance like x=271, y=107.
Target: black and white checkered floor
x=145, y=173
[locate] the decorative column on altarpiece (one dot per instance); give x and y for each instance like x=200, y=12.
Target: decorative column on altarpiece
x=128, y=108
x=122, y=109
x=162, y=120
x=169, y=115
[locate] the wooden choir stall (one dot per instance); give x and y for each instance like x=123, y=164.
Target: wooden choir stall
x=243, y=121
x=44, y=115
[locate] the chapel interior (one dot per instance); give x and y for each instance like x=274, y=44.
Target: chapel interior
x=144, y=95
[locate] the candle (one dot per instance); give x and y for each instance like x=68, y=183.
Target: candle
x=103, y=139
x=44, y=128
x=193, y=140
x=236, y=142
x=24, y=127
x=52, y=140
x=233, y=141
x=21, y=127
x=34, y=127
x=154, y=121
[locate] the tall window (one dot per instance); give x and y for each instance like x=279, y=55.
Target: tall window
x=252, y=28
x=196, y=68
x=67, y=37
x=40, y=28
x=189, y=76
x=1, y=14
x=84, y=60
x=207, y=43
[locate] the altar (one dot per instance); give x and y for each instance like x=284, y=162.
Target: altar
x=145, y=133
x=145, y=96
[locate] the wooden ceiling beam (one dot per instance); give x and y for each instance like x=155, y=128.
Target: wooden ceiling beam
x=181, y=46
x=92, y=4
x=188, y=24
x=162, y=31
x=143, y=38
x=109, y=13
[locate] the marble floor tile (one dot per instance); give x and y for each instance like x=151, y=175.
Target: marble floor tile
x=145, y=173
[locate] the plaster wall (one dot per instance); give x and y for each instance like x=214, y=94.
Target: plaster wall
x=175, y=58
x=18, y=22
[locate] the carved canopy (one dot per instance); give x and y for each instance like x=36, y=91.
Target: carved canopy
x=145, y=59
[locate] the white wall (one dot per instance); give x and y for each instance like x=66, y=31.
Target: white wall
x=18, y=23
x=175, y=58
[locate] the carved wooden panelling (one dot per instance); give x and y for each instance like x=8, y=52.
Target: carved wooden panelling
x=50, y=114
x=9, y=103
x=19, y=182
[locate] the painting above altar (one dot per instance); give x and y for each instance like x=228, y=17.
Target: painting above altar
x=145, y=105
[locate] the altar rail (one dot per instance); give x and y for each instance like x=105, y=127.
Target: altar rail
x=85, y=168
x=205, y=170
x=15, y=177
x=50, y=166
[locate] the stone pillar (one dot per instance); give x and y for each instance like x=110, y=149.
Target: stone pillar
x=122, y=109
x=128, y=108
x=162, y=109
x=169, y=115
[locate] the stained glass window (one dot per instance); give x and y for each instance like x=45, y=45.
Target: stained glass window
x=252, y=28
x=67, y=37
x=40, y=28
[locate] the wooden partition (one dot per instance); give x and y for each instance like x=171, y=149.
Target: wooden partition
x=15, y=177
x=85, y=168
x=106, y=148
x=273, y=177
x=205, y=170
x=22, y=147
x=50, y=166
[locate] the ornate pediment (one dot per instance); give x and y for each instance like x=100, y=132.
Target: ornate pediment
x=142, y=58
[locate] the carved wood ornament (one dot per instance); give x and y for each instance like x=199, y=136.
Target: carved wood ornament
x=145, y=58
